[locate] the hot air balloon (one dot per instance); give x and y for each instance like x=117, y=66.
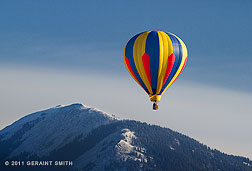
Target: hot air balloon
x=155, y=59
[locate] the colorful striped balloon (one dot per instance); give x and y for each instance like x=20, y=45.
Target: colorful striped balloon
x=155, y=59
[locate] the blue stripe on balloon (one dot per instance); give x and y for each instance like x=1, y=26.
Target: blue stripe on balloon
x=129, y=54
x=177, y=51
x=152, y=49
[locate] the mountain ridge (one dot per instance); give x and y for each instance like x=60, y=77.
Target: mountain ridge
x=95, y=140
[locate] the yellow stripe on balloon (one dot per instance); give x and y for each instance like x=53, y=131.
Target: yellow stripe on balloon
x=161, y=61
x=166, y=50
x=138, y=51
x=184, y=56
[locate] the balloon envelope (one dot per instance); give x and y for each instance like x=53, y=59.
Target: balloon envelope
x=155, y=59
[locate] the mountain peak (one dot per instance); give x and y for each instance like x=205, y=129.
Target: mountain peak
x=74, y=105
x=77, y=105
x=59, y=122
x=82, y=108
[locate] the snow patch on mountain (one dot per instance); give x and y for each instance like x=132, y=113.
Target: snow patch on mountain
x=124, y=146
x=126, y=150
x=115, y=147
x=245, y=163
x=171, y=147
x=177, y=141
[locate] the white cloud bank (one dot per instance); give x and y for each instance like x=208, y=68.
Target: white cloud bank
x=217, y=117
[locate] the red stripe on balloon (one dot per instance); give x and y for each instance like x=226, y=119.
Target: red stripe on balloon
x=131, y=71
x=170, y=63
x=146, y=64
x=182, y=67
x=180, y=70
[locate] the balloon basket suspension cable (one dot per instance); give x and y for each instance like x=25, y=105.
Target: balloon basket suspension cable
x=155, y=106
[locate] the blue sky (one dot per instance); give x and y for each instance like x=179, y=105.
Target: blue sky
x=82, y=34
x=50, y=49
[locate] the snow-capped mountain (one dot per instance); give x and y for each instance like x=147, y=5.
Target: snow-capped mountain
x=47, y=130
x=94, y=140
